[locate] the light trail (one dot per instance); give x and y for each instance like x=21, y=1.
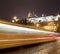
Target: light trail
x=26, y=39
x=17, y=29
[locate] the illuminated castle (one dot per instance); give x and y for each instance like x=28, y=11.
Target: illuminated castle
x=32, y=15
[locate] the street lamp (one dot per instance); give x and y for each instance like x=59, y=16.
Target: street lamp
x=13, y=21
x=15, y=18
x=58, y=15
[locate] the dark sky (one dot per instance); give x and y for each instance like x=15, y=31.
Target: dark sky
x=20, y=8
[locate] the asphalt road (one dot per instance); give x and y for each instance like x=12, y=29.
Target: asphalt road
x=42, y=48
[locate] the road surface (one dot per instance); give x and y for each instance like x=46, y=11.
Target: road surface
x=42, y=48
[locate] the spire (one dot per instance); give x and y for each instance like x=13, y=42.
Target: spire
x=42, y=15
x=34, y=15
x=29, y=15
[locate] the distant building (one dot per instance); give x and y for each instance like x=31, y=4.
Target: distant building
x=42, y=19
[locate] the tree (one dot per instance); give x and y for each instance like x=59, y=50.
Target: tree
x=22, y=21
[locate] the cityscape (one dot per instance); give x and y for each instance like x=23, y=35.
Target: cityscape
x=29, y=27
x=49, y=23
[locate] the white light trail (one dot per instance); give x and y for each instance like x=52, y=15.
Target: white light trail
x=17, y=29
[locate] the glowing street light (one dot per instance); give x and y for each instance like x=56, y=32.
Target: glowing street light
x=58, y=15
x=15, y=18
x=13, y=21
x=37, y=25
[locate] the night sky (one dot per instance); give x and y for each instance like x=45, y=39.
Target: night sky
x=20, y=8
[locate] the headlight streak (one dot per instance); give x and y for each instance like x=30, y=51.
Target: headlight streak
x=18, y=29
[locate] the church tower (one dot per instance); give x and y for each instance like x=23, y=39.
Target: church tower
x=29, y=15
x=32, y=14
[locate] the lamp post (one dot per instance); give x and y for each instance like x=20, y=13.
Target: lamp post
x=15, y=19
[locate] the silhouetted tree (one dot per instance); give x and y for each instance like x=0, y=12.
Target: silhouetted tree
x=22, y=21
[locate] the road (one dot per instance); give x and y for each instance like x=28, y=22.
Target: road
x=42, y=48
x=17, y=36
